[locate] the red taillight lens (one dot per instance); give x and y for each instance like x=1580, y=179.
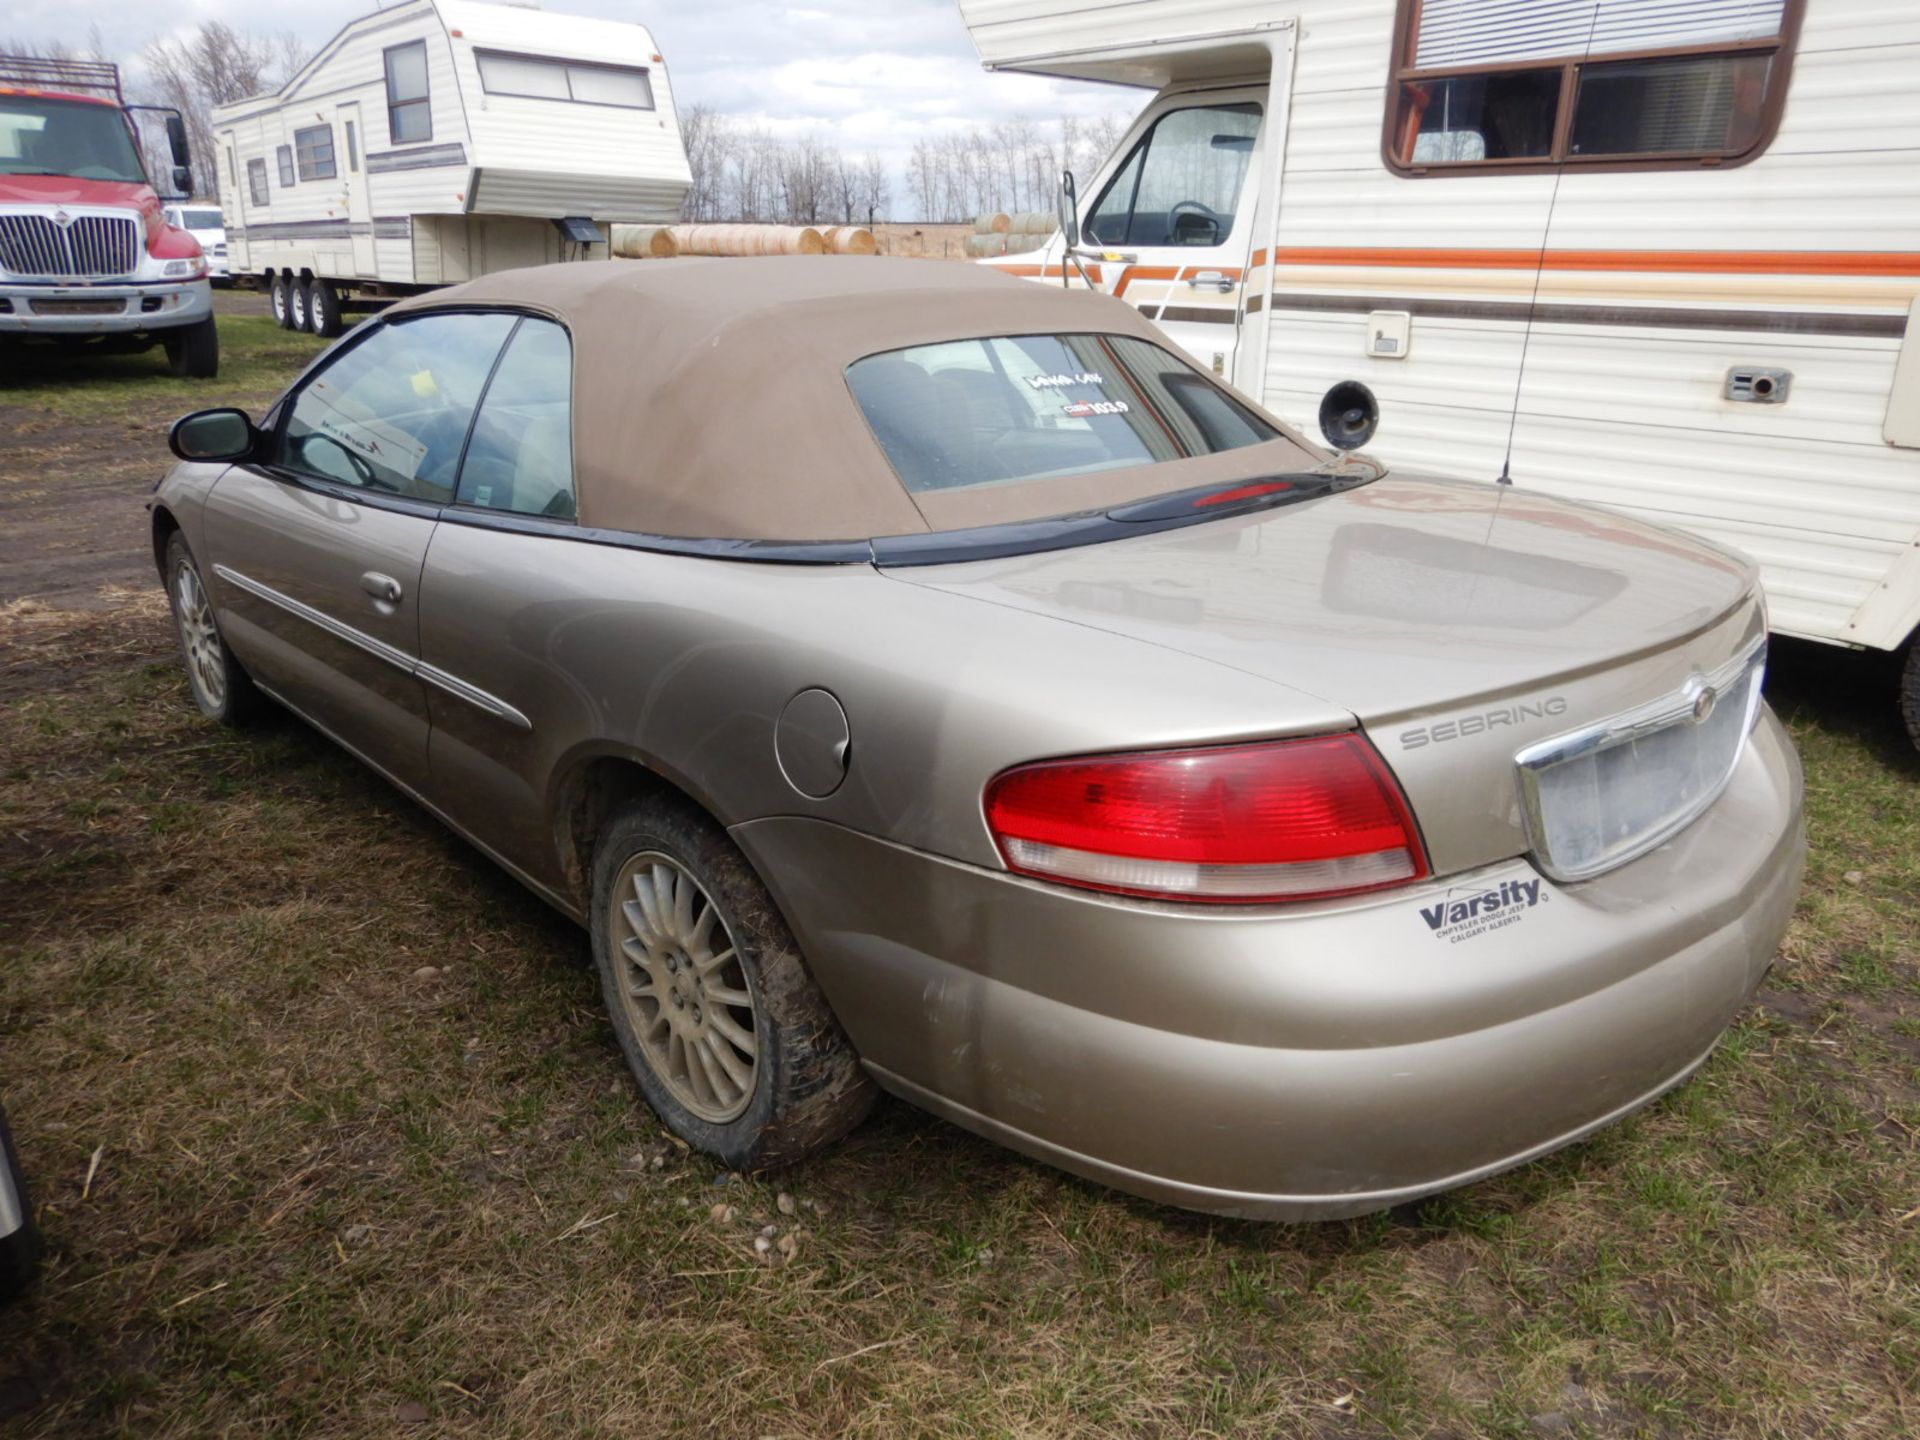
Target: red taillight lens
x=1282, y=820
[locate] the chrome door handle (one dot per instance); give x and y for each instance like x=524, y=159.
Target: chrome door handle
x=1210, y=279
x=381, y=587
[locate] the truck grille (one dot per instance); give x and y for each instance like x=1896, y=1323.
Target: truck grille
x=85, y=248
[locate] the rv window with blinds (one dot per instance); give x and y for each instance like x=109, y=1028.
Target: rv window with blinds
x=409, y=113
x=313, y=152
x=1520, y=85
x=536, y=79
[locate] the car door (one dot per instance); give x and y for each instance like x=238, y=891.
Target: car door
x=498, y=602
x=316, y=551
x=1174, y=220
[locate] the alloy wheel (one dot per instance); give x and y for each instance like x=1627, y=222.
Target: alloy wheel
x=206, y=665
x=683, y=987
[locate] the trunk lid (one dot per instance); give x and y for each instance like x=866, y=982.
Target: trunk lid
x=1459, y=623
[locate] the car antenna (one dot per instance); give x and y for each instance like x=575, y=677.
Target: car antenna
x=1540, y=264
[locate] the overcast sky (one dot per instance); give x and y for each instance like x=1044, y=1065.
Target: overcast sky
x=869, y=74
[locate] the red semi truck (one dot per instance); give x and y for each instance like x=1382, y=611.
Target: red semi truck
x=87, y=258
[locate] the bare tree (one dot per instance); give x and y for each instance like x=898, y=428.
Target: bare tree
x=214, y=65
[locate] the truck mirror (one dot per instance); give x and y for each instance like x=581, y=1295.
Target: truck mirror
x=213, y=436
x=177, y=141
x=182, y=183
x=1069, y=209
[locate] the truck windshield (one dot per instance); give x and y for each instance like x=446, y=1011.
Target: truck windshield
x=66, y=137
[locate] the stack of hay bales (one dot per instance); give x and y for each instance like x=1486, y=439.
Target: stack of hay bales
x=1004, y=234
x=654, y=242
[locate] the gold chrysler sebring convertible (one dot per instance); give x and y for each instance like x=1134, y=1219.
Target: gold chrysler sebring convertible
x=913, y=677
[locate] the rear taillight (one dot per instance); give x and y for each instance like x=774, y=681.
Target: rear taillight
x=1280, y=820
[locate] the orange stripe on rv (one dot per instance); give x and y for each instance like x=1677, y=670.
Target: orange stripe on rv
x=1894, y=263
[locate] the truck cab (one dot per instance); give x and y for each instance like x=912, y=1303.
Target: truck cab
x=88, y=258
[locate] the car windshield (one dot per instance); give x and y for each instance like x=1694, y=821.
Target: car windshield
x=66, y=137
x=1005, y=409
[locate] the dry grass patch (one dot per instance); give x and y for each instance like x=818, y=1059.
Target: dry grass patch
x=368, y=1164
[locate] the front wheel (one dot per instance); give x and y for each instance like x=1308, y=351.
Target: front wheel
x=223, y=691
x=280, y=296
x=729, y=1038
x=20, y=1246
x=193, y=350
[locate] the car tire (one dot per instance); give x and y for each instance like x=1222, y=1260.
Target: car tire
x=19, y=1251
x=280, y=297
x=221, y=687
x=323, y=310
x=193, y=351
x=687, y=972
x=1910, y=691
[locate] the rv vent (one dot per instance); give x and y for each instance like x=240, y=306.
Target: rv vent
x=1759, y=387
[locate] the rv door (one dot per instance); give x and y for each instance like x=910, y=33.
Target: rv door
x=352, y=139
x=1173, y=221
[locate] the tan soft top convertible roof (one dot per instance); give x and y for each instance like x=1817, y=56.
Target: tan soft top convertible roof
x=710, y=397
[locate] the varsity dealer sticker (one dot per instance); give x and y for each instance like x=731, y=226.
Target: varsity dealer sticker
x=1467, y=914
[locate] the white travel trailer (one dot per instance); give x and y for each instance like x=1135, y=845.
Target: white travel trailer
x=1660, y=256
x=438, y=140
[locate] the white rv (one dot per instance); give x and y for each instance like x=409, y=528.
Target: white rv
x=438, y=140
x=1661, y=256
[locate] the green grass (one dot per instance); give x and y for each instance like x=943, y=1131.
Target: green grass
x=257, y=358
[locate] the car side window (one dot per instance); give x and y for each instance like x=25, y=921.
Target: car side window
x=390, y=414
x=1181, y=184
x=520, y=458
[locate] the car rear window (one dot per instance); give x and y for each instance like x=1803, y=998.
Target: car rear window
x=1004, y=409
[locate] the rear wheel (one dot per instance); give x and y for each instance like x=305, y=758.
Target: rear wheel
x=1910, y=691
x=279, y=295
x=729, y=1038
x=194, y=350
x=323, y=310
x=223, y=691
x=19, y=1249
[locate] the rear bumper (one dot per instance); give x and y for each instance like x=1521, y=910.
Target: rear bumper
x=1309, y=1063
x=36, y=311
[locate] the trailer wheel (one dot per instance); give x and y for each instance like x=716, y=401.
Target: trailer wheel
x=279, y=289
x=194, y=350
x=300, y=305
x=1910, y=691
x=323, y=310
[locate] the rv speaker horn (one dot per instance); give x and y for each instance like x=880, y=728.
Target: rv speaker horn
x=1349, y=415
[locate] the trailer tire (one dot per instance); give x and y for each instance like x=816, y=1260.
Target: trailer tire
x=20, y=1251
x=193, y=351
x=280, y=293
x=323, y=310
x=1910, y=692
x=300, y=305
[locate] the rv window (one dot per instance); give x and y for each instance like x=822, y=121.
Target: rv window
x=391, y=413
x=284, y=157
x=257, y=181
x=1644, y=83
x=1181, y=184
x=536, y=79
x=409, y=117
x=313, y=149
x=353, y=149
x=520, y=457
